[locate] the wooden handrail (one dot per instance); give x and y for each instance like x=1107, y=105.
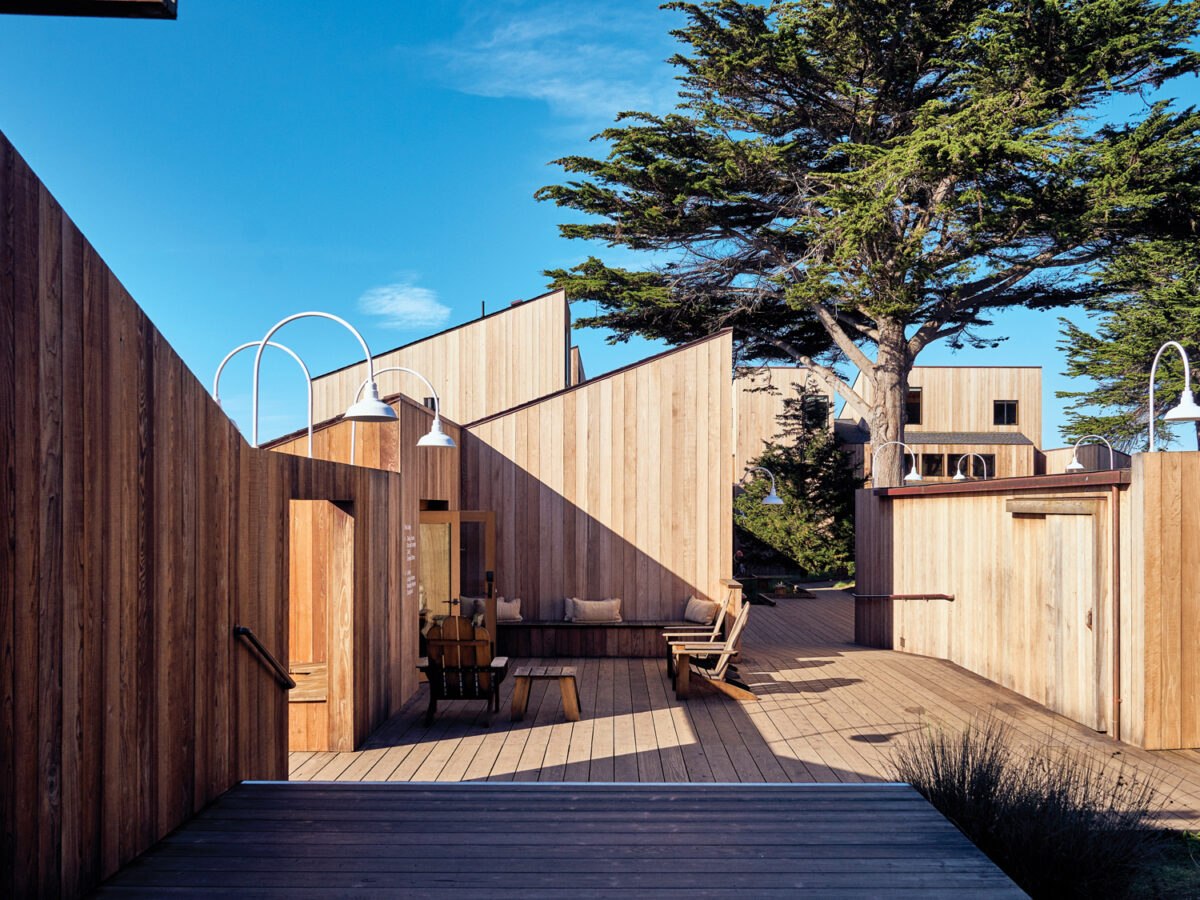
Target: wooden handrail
x=902, y=596
x=281, y=674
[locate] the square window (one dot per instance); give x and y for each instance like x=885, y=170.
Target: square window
x=1004, y=412
x=932, y=465
x=912, y=407
x=815, y=412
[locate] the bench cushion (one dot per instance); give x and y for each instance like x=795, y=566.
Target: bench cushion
x=702, y=611
x=593, y=611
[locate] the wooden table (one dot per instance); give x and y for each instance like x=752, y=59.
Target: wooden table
x=565, y=676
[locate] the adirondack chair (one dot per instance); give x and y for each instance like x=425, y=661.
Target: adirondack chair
x=460, y=666
x=696, y=634
x=711, y=660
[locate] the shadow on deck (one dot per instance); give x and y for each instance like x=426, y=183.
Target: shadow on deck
x=828, y=711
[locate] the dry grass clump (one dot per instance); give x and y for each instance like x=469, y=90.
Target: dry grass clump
x=1060, y=823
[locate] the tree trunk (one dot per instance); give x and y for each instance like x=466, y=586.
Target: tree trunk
x=889, y=394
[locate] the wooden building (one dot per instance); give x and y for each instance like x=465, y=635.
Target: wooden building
x=759, y=399
x=994, y=412
x=479, y=368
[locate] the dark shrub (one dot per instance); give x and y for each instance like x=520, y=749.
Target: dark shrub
x=1061, y=823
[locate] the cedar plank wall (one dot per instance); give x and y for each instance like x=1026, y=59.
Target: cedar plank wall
x=756, y=409
x=1093, y=457
x=479, y=368
x=621, y=487
x=139, y=528
x=1008, y=621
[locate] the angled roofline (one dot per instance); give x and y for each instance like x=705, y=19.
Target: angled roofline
x=399, y=397
x=595, y=378
x=445, y=331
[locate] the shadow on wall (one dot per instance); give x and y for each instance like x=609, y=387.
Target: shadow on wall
x=548, y=548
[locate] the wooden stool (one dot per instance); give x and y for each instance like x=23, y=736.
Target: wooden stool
x=566, y=688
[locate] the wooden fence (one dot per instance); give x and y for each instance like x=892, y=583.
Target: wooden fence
x=1078, y=591
x=139, y=529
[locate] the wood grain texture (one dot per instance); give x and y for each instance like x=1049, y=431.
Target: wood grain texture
x=479, y=368
x=1031, y=571
x=139, y=528
x=759, y=396
x=959, y=398
x=619, y=467
x=1093, y=458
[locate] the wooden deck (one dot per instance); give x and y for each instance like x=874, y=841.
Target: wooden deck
x=565, y=840
x=829, y=711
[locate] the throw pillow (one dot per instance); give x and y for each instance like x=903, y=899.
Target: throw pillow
x=701, y=611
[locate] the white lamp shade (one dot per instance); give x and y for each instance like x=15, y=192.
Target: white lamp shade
x=371, y=409
x=914, y=475
x=959, y=476
x=1186, y=411
x=1075, y=465
x=436, y=437
x=772, y=499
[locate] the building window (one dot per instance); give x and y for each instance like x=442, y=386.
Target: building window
x=912, y=408
x=932, y=465
x=1004, y=412
x=972, y=465
x=814, y=412
x=430, y=403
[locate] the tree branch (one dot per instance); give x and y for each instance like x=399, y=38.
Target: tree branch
x=827, y=376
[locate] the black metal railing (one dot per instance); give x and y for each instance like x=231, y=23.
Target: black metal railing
x=265, y=657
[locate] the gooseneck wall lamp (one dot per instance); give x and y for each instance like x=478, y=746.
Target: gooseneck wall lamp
x=216, y=391
x=435, y=438
x=772, y=499
x=912, y=476
x=1075, y=465
x=1187, y=410
x=959, y=476
x=368, y=409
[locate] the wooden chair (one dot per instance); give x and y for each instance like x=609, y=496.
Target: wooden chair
x=711, y=659
x=460, y=666
x=695, y=634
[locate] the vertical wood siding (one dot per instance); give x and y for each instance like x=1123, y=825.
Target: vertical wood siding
x=138, y=529
x=479, y=368
x=621, y=487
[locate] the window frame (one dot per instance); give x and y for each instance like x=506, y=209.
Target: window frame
x=997, y=405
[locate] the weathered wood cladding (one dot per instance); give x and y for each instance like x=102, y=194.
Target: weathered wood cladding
x=758, y=401
x=618, y=488
x=1010, y=460
x=959, y=398
x=479, y=368
x=139, y=529
x=1026, y=566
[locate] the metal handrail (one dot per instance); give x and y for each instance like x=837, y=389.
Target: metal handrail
x=280, y=673
x=902, y=596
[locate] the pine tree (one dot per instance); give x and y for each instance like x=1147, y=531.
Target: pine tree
x=842, y=176
x=815, y=479
x=1157, y=299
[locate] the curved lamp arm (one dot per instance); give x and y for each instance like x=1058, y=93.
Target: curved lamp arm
x=959, y=476
x=437, y=403
x=1185, y=400
x=266, y=339
x=772, y=499
x=914, y=475
x=216, y=391
x=1075, y=465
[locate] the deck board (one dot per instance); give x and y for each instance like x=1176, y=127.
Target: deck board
x=828, y=710
x=340, y=839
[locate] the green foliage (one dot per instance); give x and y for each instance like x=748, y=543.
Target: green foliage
x=814, y=477
x=1156, y=288
x=1060, y=823
x=842, y=175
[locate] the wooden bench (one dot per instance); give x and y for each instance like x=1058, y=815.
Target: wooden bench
x=564, y=675
x=584, y=639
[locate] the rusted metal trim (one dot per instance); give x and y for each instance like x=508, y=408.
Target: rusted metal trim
x=902, y=596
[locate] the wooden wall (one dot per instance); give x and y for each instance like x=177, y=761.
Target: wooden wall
x=959, y=398
x=482, y=367
x=1094, y=458
x=758, y=401
x=139, y=529
x=619, y=487
x=1026, y=563
x=1164, y=608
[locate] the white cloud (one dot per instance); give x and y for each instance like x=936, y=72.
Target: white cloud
x=586, y=61
x=404, y=305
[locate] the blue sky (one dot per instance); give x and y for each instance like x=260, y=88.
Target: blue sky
x=376, y=160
